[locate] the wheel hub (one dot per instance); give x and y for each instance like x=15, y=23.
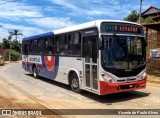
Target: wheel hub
x=75, y=83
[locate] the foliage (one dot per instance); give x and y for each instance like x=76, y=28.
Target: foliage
x=5, y=43
x=16, y=45
x=133, y=16
x=0, y=45
x=149, y=19
x=14, y=55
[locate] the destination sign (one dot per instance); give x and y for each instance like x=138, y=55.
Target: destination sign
x=121, y=28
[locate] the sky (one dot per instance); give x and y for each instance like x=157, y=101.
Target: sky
x=32, y=17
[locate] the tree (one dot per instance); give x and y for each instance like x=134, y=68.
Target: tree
x=0, y=45
x=5, y=43
x=133, y=16
x=16, y=45
x=15, y=32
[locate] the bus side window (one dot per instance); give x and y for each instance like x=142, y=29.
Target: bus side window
x=49, y=46
x=77, y=43
x=35, y=46
x=25, y=48
x=31, y=49
x=74, y=44
x=63, y=45
x=57, y=44
x=69, y=44
x=40, y=48
x=43, y=45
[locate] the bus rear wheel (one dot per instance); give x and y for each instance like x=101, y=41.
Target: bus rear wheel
x=35, y=72
x=75, y=83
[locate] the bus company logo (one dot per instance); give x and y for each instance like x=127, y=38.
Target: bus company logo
x=49, y=62
x=34, y=59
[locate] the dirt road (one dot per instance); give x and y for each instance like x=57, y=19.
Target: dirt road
x=20, y=90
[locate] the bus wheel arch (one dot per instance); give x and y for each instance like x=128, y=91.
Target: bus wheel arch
x=35, y=71
x=74, y=81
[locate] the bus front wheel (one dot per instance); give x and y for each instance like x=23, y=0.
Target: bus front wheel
x=35, y=72
x=75, y=83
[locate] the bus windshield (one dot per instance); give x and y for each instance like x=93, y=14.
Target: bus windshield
x=123, y=52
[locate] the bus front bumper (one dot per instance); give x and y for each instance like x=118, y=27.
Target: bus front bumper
x=108, y=88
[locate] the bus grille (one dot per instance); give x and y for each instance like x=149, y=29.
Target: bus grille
x=122, y=87
x=125, y=80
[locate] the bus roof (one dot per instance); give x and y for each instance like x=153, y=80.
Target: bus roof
x=87, y=25
x=48, y=34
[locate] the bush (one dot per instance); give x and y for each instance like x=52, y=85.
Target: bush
x=14, y=55
x=149, y=19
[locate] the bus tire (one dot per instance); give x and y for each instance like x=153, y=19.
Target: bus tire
x=75, y=83
x=35, y=72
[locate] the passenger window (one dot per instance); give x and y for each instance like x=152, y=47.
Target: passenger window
x=63, y=45
x=74, y=44
x=57, y=44
x=41, y=45
x=49, y=45
x=32, y=49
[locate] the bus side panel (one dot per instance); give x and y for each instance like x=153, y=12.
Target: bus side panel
x=67, y=64
x=28, y=61
x=49, y=68
x=55, y=67
x=27, y=66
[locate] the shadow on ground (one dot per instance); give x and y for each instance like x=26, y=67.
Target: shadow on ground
x=106, y=99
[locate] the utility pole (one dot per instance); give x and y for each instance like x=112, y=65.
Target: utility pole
x=140, y=11
x=9, y=38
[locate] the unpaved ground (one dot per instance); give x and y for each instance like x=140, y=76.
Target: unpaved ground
x=10, y=98
x=153, y=80
x=21, y=91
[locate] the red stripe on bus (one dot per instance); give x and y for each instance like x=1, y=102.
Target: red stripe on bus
x=108, y=88
x=29, y=63
x=39, y=64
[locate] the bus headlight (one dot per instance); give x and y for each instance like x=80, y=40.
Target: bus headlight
x=107, y=78
x=144, y=75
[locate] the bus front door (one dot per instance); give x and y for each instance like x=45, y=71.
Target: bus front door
x=90, y=52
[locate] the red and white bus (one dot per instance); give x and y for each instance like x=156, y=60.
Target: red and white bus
x=103, y=56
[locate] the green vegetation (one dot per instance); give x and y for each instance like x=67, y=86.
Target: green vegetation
x=15, y=46
x=14, y=55
x=0, y=45
x=149, y=19
x=5, y=43
x=133, y=16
